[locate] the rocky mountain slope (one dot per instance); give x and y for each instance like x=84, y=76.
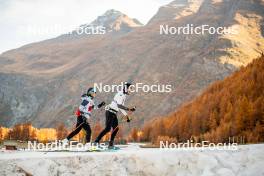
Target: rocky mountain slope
x=42, y=82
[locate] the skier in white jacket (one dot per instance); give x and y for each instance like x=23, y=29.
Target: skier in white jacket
x=111, y=114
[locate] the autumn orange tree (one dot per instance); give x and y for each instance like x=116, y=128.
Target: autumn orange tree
x=61, y=131
x=133, y=135
x=25, y=132
x=1, y=134
x=45, y=135
x=232, y=107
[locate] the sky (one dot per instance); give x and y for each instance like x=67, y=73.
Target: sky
x=28, y=21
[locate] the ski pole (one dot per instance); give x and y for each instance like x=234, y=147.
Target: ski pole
x=115, y=128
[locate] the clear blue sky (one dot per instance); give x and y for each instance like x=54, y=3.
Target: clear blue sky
x=27, y=21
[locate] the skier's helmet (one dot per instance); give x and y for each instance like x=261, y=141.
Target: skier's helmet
x=90, y=91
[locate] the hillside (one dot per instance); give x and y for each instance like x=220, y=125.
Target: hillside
x=232, y=107
x=42, y=82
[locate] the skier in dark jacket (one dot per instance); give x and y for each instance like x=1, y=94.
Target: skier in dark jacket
x=83, y=113
x=111, y=114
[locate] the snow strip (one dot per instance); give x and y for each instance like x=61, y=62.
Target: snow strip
x=132, y=160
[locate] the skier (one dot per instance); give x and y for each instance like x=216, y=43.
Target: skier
x=83, y=113
x=111, y=115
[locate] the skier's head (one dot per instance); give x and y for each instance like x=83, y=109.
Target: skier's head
x=91, y=92
x=127, y=89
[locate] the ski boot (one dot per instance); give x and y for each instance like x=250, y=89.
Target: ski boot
x=111, y=145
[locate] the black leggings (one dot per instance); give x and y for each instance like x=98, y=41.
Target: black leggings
x=111, y=122
x=79, y=125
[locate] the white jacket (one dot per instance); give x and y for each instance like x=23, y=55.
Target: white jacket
x=87, y=106
x=119, y=99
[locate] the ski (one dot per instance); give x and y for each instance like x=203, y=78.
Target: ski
x=96, y=149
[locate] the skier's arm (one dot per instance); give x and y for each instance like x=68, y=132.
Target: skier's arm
x=123, y=112
x=123, y=109
x=120, y=106
x=126, y=108
x=101, y=104
x=95, y=106
x=87, y=115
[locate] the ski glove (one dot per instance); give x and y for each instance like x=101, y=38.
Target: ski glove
x=101, y=104
x=128, y=119
x=133, y=109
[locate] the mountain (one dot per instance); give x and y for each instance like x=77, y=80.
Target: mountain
x=112, y=21
x=227, y=108
x=42, y=82
x=175, y=10
x=245, y=18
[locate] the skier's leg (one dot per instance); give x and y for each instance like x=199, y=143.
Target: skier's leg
x=115, y=128
x=108, y=125
x=88, y=131
x=78, y=128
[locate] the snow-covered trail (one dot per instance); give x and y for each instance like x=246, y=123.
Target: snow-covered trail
x=247, y=160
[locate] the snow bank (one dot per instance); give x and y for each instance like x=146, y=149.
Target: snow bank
x=247, y=160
